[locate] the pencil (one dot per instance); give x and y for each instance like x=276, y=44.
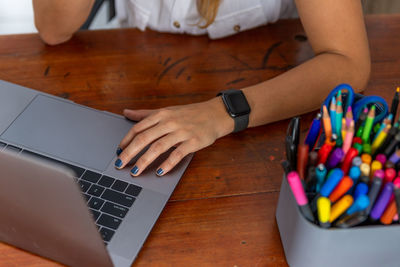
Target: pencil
x=348, y=138
x=327, y=123
x=339, y=116
x=368, y=125
x=380, y=138
x=332, y=113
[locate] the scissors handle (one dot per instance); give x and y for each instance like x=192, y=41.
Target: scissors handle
x=342, y=87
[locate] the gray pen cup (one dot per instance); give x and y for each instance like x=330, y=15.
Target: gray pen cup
x=308, y=245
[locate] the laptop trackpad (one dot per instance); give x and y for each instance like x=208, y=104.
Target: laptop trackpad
x=68, y=131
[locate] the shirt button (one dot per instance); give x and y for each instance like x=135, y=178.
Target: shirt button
x=236, y=28
x=177, y=24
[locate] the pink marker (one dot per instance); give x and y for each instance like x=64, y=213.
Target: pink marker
x=381, y=158
x=299, y=194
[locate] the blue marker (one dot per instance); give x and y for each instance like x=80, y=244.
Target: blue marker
x=334, y=177
x=313, y=133
x=354, y=174
x=361, y=189
x=320, y=173
x=361, y=203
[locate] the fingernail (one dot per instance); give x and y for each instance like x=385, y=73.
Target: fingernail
x=118, y=163
x=119, y=151
x=160, y=172
x=135, y=170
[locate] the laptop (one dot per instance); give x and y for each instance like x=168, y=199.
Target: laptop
x=60, y=195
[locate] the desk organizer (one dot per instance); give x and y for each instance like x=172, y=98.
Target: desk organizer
x=308, y=245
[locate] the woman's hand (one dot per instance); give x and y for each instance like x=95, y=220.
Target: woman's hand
x=188, y=127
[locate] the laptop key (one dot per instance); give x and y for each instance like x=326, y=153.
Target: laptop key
x=133, y=190
x=119, y=185
x=95, y=203
x=95, y=213
x=109, y=221
x=118, y=198
x=106, y=181
x=106, y=234
x=114, y=209
x=95, y=190
x=84, y=185
x=91, y=176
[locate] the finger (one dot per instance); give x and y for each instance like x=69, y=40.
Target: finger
x=137, y=115
x=139, y=142
x=156, y=149
x=175, y=157
x=136, y=129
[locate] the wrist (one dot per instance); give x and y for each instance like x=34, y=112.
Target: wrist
x=224, y=124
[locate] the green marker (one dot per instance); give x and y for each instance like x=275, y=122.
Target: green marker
x=368, y=125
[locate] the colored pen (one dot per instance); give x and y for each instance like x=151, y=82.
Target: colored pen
x=360, y=204
x=360, y=122
x=340, y=207
x=389, y=138
x=376, y=185
x=302, y=159
x=327, y=123
x=324, y=211
x=347, y=161
x=395, y=157
x=335, y=158
x=351, y=220
x=299, y=194
x=361, y=189
x=320, y=173
x=344, y=185
x=396, y=192
x=314, y=132
x=382, y=201
x=324, y=152
x=375, y=165
x=388, y=214
x=333, y=179
x=366, y=158
x=332, y=112
x=368, y=125
x=392, y=145
x=381, y=158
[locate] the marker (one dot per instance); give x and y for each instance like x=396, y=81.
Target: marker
x=299, y=194
x=324, y=211
x=389, y=164
x=375, y=165
x=332, y=112
x=347, y=161
x=313, y=158
x=373, y=192
x=320, y=173
x=359, y=147
x=344, y=185
x=386, y=122
x=311, y=179
x=327, y=123
x=324, y=152
x=335, y=158
x=368, y=125
x=390, y=174
x=354, y=174
x=366, y=158
x=340, y=207
x=365, y=169
x=396, y=192
x=381, y=158
x=392, y=146
x=361, y=189
x=380, y=138
x=360, y=204
x=366, y=148
x=382, y=201
x=334, y=177
x=391, y=134
x=395, y=157
x=388, y=214
x=356, y=161
x=352, y=220
x=314, y=132
x=395, y=104
x=302, y=159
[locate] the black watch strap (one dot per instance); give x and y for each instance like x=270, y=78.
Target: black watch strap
x=241, y=123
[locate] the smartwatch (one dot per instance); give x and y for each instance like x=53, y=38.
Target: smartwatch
x=237, y=107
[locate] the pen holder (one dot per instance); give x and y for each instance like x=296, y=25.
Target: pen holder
x=308, y=245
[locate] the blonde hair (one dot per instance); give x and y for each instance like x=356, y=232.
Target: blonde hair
x=208, y=10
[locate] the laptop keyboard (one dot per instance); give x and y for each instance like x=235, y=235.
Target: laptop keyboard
x=108, y=198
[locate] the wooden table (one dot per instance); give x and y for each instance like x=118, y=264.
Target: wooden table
x=222, y=213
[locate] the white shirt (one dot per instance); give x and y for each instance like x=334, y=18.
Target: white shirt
x=181, y=16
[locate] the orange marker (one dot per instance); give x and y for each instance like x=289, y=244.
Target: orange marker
x=344, y=185
x=389, y=213
x=366, y=158
x=340, y=207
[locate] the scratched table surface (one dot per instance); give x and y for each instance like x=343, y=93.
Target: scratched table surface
x=222, y=212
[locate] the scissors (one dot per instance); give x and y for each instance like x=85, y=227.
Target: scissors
x=358, y=102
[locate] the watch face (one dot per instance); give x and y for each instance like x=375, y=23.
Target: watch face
x=237, y=104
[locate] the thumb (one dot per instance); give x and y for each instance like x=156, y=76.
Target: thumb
x=137, y=115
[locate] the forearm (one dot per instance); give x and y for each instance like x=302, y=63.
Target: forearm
x=303, y=88
x=58, y=20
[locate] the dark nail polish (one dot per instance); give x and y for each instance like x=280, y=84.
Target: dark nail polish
x=118, y=163
x=135, y=170
x=119, y=151
x=160, y=172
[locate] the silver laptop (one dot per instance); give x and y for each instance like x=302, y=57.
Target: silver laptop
x=60, y=195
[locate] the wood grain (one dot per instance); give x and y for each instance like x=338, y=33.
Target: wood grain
x=222, y=211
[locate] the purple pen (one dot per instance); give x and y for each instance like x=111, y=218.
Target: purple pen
x=335, y=158
x=382, y=201
x=395, y=157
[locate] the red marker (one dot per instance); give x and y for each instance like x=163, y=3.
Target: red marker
x=299, y=194
x=390, y=174
x=348, y=159
x=324, y=152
